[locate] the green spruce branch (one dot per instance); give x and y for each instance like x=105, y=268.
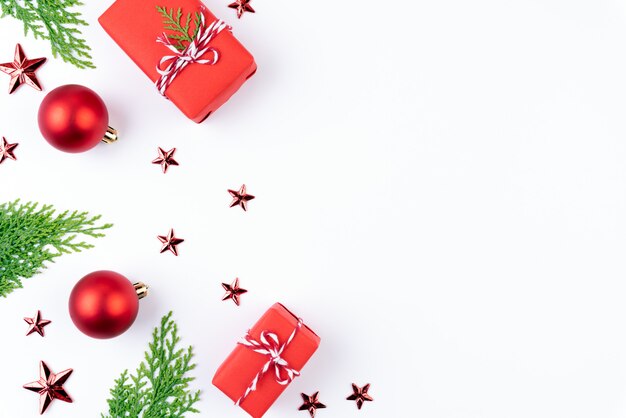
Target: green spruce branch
x=52, y=20
x=182, y=32
x=31, y=236
x=160, y=387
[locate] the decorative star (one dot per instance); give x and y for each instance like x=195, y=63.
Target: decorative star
x=165, y=158
x=22, y=70
x=233, y=291
x=49, y=386
x=170, y=242
x=36, y=324
x=311, y=403
x=360, y=395
x=6, y=150
x=242, y=6
x=240, y=197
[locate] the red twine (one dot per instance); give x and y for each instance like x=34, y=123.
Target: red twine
x=270, y=346
x=190, y=55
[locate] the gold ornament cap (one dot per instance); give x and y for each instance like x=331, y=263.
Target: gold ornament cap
x=141, y=289
x=110, y=136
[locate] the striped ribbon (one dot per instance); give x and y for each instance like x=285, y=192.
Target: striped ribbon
x=176, y=63
x=270, y=346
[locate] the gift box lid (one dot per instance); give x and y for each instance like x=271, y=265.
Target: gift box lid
x=243, y=364
x=200, y=88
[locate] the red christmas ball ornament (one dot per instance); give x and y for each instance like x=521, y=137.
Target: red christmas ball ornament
x=104, y=304
x=74, y=119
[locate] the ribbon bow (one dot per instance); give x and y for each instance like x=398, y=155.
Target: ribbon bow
x=190, y=55
x=270, y=346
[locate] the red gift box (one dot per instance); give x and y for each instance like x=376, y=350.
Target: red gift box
x=199, y=88
x=279, y=343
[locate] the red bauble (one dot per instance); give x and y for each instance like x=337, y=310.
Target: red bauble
x=104, y=304
x=73, y=118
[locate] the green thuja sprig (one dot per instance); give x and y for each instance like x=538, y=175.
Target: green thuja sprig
x=160, y=386
x=172, y=21
x=32, y=235
x=52, y=20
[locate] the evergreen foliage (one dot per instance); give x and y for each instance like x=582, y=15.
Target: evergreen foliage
x=31, y=235
x=180, y=32
x=160, y=386
x=52, y=20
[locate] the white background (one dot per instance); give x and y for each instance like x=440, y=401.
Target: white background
x=440, y=195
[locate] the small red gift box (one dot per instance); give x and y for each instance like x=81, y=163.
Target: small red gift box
x=214, y=65
x=264, y=363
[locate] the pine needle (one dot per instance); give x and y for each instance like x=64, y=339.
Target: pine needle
x=52, y=20
x=31, y=236
x=160, y=387
x=172, y=21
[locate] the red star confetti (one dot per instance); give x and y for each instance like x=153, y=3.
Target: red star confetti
x=360, y=395
x=37, y=323
x=7, y=150
x=165, y=158
x=170, y=241
x=233, y=291
x=311, y=403
x=49, y=386
x=22, y=70
x=240, y=197
x=241, y=6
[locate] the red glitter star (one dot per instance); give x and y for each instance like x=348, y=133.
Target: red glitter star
x=6, y=150
x=242, y=6
x=240, y=197
x=49, y=386
x=36, y=324
x=233, y=291
x=311, y=403
x=165, y=158
x=170, y=242
x=360, y=395
x=22, y=70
